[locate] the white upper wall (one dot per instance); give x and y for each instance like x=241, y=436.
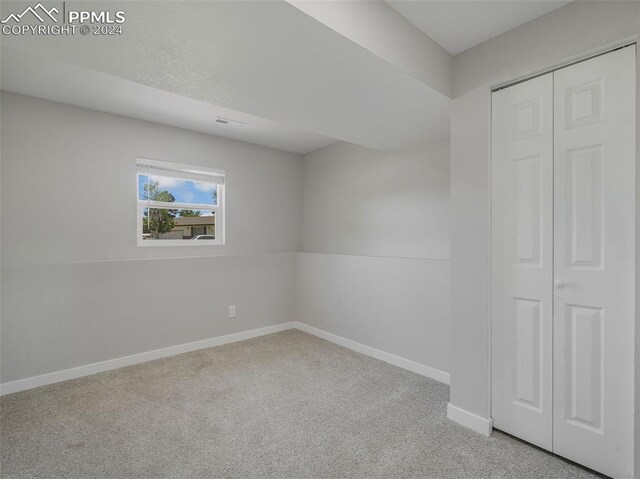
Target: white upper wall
x=362, y=202
x=69, y=185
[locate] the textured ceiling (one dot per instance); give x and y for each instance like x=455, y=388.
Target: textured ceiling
x=264, y=59
x=87, y=88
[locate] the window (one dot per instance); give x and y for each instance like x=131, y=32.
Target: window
x=179, y=204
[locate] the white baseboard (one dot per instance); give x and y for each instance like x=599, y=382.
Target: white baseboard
x=403, y=363
x=472, y=421
x=86, y=370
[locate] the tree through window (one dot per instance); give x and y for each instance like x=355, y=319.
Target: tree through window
x=179, y=203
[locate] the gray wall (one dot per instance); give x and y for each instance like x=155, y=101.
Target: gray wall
x=75, y=287
x=375, y=261
x=565, y=34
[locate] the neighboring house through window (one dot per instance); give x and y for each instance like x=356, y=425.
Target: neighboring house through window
x=179, y=204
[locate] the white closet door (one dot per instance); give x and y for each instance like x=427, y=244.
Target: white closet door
x=522, y=242
x=594, y=258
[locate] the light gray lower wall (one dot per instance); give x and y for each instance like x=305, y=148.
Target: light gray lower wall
x=375, y=262
x=59, y=316
x=397, y=305
x=571, y=32
x=75, y=287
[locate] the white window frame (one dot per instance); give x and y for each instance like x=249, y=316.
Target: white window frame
x=147, y=167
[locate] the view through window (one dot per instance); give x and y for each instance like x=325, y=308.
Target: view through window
x=179, y=204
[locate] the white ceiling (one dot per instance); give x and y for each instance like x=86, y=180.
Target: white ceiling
x=287, y=72
x=459, y=25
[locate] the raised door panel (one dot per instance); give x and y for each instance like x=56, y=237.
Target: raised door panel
x=528, y=357
x=583, y=350
x=583, y=210
x=528, y=215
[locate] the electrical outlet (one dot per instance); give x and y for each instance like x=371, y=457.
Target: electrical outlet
x=232, y=311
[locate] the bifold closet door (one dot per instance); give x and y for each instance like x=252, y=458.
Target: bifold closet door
x=594, y=261
x=522, y=257
x=563, y=261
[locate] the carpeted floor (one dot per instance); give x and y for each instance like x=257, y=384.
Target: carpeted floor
x=287, y=405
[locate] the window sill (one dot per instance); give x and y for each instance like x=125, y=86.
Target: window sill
x=145, y=243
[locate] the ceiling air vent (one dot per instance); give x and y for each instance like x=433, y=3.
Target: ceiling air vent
x=230, y=122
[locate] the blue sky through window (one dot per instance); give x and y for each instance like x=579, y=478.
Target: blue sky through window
x=184, y=191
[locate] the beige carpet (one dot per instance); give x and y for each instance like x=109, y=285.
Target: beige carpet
x=287, y=405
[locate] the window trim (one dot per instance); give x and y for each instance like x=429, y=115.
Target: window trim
x=188, y=172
